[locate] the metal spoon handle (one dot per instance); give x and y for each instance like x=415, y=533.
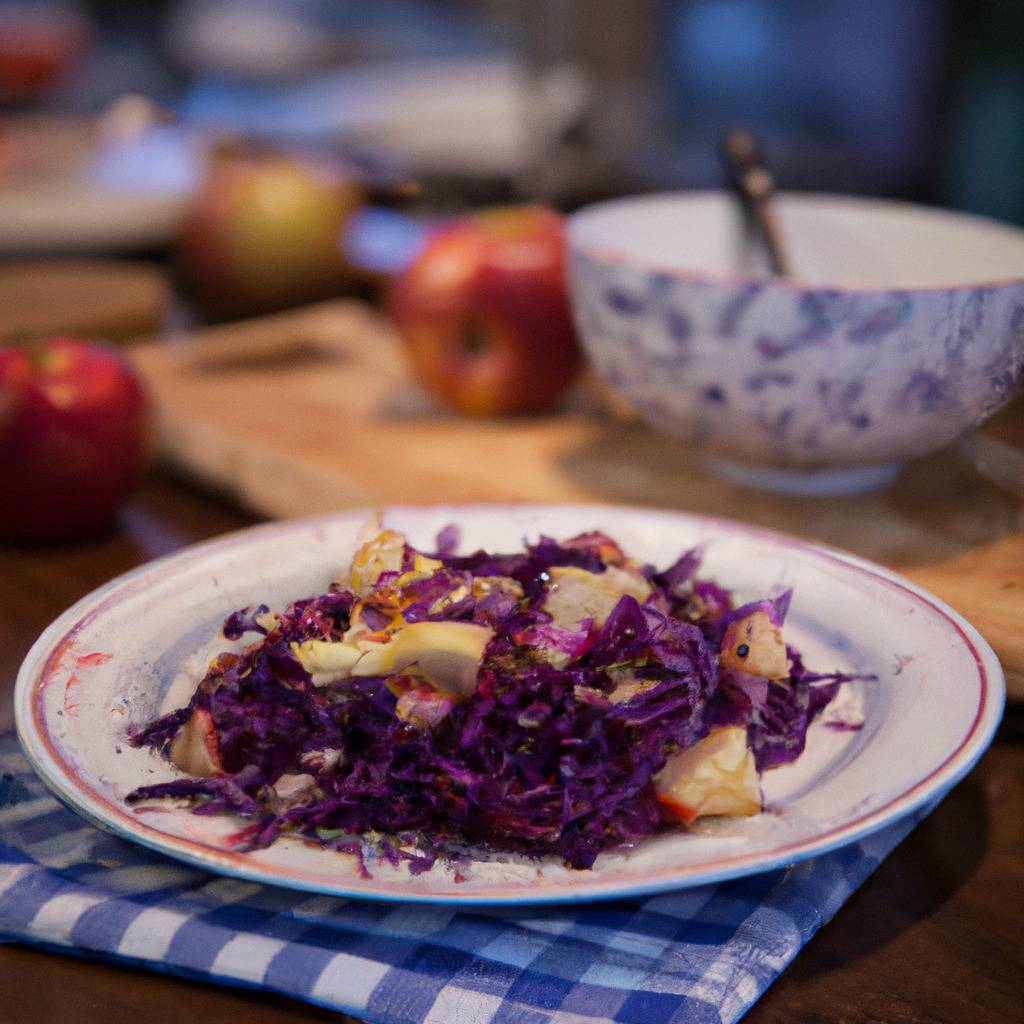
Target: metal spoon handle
x=753, y=182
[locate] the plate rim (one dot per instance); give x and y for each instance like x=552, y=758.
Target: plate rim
x=60, y=776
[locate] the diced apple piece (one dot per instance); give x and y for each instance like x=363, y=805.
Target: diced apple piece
x=627, y=686
x=754, y=645
x=715, y=776
x=422, y=705
x=423, y=565
x=575, y=594
x=383, y=552
x=327, y=659
x=446, y=653
x=288, y=787
x=322, y=760
x=194, y=750
x=484, y=586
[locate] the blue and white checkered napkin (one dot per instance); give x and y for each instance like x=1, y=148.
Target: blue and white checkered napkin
x=695, y=955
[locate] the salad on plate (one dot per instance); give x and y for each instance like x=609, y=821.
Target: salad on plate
x=559, y=701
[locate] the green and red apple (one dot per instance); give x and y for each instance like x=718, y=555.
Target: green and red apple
x=264, y=232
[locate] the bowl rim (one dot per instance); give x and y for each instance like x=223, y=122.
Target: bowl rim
x=739, y=279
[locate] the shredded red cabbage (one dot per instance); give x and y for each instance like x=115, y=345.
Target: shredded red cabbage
x=541, y=758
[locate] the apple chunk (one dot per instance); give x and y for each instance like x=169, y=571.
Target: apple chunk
x=194, y=750
x=575, y=594
x=419, y=702
x=446, y=653
x=715, y=776
x=754, y=645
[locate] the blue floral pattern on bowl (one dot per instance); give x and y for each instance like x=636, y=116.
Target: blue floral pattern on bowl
x=799, y=377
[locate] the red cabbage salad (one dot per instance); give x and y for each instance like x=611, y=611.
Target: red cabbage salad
x=559, y=701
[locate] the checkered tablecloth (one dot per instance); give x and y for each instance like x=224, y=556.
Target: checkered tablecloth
x=695, y=955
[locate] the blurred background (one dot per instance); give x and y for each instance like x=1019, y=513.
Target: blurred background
x=113, y=112
x=249, y=156
x=132, y=127
x=558, y=100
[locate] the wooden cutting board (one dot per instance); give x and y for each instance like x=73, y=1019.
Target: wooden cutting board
x=312, y=411
x=111, y=299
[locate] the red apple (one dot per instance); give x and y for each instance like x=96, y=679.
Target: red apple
x=484, y=312
x=264, y=232
x=74, y=438
x=38, y=46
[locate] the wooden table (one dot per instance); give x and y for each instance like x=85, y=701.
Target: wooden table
x=935, y=935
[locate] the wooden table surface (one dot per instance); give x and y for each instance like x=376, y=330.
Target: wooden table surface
x=935, y=935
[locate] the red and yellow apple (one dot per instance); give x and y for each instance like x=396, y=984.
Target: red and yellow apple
x=484, y=312
x=264, y=230
x=74, y=438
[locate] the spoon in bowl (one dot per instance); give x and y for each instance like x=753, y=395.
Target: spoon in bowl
x=749, y=177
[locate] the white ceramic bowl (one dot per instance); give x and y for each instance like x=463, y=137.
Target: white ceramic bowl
x=899, y=328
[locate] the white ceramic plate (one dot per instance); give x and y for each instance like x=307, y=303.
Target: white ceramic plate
x=112, y=658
